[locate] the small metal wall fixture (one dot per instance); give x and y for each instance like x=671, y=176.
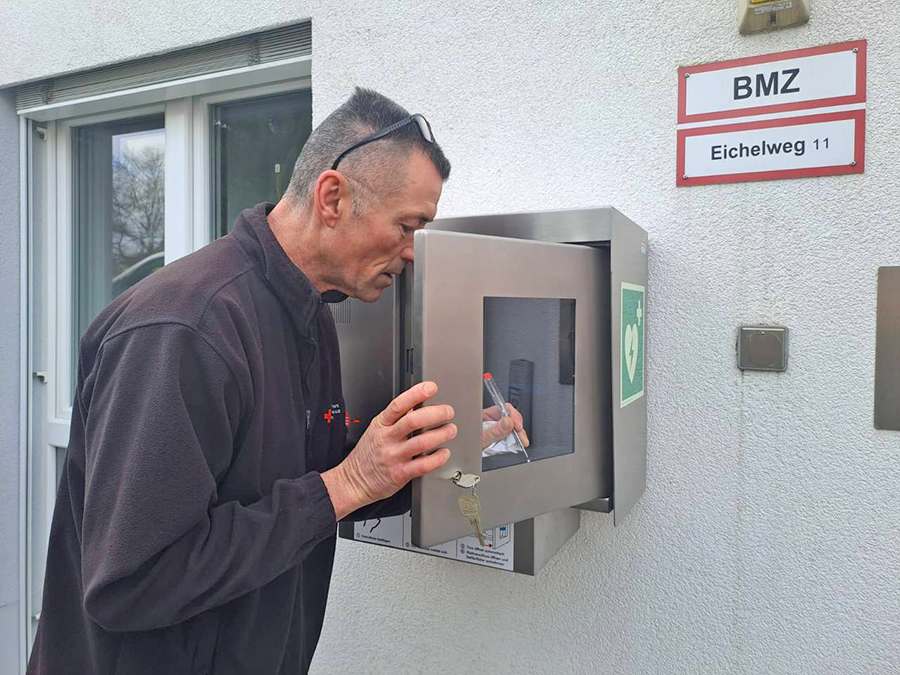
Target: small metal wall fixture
x=763, y=348
x=757, y=15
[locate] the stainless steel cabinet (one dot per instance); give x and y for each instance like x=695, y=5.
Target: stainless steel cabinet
x=553, y=305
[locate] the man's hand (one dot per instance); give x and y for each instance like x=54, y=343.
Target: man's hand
x=385, y=459
x=504, y=427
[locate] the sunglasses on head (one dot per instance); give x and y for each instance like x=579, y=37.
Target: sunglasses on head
x=421, y=123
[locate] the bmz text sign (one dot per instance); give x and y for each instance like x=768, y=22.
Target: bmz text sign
x=788, y=115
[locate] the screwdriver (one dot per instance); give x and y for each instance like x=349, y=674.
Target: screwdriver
x=497, y=397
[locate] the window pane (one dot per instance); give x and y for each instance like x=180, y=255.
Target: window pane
x=255, y=146
x=529, y=353
x=60, y=463
x=119, y=212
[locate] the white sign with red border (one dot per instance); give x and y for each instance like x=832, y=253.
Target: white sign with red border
x=787, y=115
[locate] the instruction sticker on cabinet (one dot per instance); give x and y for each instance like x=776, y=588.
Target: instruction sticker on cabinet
x=395, y=532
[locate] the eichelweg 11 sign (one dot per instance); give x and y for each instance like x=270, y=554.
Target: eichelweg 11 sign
x=787, y=115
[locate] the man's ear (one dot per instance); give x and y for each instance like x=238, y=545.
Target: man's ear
x=332, y=197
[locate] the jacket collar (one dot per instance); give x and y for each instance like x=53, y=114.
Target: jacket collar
x=292, y=287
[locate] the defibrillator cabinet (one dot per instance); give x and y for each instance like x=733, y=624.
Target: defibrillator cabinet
x=552, y=307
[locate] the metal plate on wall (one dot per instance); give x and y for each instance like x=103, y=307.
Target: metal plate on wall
x=887, y=350
x=763, y=348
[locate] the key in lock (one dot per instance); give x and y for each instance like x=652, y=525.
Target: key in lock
x=469, y=505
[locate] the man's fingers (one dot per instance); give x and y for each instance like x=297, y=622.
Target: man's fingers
x=516, y=415
x=497, y=432
x=520, y=424
x=422, y=418
x=427, y=463
x=501, y=430
x=427, y=441
x=493, y=414
x=489, y=414
x=524, y=436
x=406, y=401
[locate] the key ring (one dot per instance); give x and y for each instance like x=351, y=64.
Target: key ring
x=466, y=481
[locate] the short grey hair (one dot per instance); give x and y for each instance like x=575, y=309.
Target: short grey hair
x=374, y=165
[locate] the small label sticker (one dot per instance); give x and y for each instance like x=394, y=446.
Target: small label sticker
x=773, y=8
x=395, y=531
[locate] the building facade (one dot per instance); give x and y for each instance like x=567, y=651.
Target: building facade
x=768, y=538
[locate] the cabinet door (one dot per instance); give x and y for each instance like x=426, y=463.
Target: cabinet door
x=536, y=316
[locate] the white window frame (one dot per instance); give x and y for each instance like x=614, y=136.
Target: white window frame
x=25, y=332
x=188, y=227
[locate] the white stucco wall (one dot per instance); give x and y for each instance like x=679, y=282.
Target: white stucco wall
x=768, y=540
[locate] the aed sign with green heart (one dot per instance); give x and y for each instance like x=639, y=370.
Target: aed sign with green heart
x=632, y=343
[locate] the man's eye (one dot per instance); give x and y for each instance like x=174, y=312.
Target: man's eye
x=407, y=230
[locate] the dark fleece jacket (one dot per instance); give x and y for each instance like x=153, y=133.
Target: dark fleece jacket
x=192, y=531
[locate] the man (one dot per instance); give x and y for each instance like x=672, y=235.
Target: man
x=194, y=529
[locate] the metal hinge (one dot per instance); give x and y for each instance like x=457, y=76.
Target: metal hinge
x=41, y=376
x=41, y=132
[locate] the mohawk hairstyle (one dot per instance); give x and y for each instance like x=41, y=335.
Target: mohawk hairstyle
x=377, y=165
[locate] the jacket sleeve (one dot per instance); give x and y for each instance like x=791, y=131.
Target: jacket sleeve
x=161, y=410
x=395, y=505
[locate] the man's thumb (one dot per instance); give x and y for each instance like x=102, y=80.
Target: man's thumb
x=502, y=429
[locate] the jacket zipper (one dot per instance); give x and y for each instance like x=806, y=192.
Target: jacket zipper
x=304, y=380
x=305, y=387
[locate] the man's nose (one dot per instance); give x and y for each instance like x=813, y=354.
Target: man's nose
x=408, y=254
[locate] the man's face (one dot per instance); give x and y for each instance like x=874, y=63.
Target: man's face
x=380, y=240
